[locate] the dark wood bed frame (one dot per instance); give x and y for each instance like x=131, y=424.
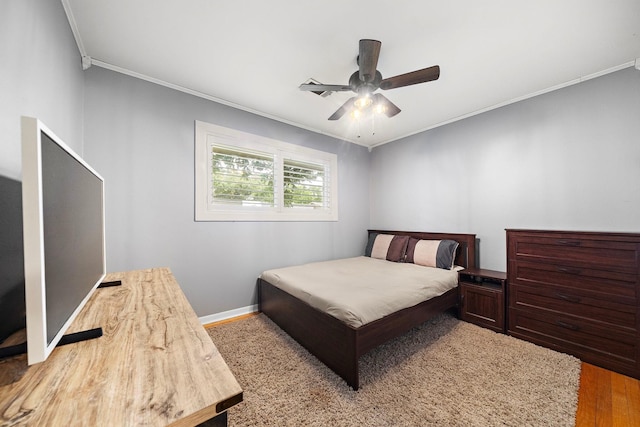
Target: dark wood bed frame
x=338, y=345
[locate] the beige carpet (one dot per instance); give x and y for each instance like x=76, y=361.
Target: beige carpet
x=444, y=373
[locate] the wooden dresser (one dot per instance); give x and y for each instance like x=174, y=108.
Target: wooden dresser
x=578, y=293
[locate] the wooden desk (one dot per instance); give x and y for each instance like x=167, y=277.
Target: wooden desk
x=154, y=365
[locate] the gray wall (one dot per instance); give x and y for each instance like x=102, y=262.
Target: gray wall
x=569, y=159
x=40, y=76
x=140, y=137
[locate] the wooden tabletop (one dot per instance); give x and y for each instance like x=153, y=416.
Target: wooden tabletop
x=154, y=365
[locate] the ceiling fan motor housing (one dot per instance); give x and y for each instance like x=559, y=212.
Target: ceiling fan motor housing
x=360, y=87
x=368, y=79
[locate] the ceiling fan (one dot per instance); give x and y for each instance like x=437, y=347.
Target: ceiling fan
x=368, y=79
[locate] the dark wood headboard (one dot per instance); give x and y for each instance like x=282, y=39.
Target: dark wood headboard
x=466, y=254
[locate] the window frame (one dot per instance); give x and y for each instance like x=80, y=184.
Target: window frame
x=208, y=135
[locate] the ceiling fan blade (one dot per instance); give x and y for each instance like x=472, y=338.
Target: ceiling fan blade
x=390, y=109
x=324, y=88
x=412, y=78
x=343, y=110
x=368, y=59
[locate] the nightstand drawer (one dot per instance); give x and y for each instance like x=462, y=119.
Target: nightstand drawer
x=482, y=297
x=482, y=305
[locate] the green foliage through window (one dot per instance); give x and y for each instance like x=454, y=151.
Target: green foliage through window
x=242, y=177
x=247, y=178
x=303, y=184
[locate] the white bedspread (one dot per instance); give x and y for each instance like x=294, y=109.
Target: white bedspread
x=362, y=289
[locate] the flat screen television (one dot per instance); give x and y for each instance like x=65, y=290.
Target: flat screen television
x=63, y=232
x=12, y=308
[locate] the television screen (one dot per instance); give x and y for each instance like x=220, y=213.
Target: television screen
x=63, y=216
x=12, y=308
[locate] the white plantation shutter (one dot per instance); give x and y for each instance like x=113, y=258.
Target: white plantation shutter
x=241, y=177
x=304, y=185
x=245, y=177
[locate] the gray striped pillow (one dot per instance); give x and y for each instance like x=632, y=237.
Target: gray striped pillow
x=432, y=253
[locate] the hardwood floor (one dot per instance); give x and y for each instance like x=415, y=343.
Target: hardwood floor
x=607, y=398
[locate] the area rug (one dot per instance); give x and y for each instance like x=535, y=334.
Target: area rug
x=444, y=373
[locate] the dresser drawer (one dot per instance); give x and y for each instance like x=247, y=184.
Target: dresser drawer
x=585, y=305
x=607, y=285
x=576, y=251
x=592, y=342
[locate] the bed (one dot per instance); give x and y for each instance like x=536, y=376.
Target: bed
x=340, y=343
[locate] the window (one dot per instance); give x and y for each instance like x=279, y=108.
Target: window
x=245, y=177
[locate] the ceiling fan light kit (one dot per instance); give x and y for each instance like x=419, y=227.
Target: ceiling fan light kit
x=363, y=102
x=367, y=80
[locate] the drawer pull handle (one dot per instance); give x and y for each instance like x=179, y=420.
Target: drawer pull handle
x=569, y=242
x=568, y=325
x=570, y=298
x=569, y=270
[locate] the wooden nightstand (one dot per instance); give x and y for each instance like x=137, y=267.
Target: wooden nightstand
x=482, y=297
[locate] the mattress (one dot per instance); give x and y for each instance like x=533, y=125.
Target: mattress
x=362, y=289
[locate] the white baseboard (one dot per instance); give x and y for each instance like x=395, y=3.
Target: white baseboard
x=212, y=318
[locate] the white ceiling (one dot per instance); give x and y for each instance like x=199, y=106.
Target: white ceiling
x=253, y=54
